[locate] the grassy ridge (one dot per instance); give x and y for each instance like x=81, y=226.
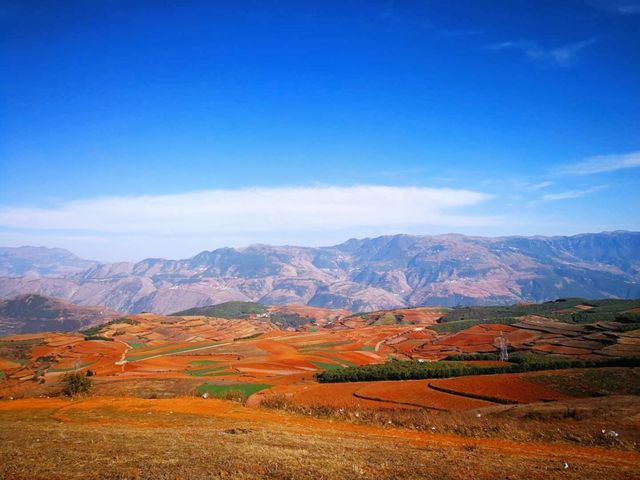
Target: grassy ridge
x=562, y=309
x=229, y=310
x=93, y=331
x=459, y=325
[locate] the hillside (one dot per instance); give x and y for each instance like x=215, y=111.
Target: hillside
x=261, y=347
x=358, y=275
x=36, y=313
x=226, y=310
x=423, y=374
x=284, y=316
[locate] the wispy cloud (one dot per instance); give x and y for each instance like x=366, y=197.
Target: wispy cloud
x=539, y=186
x=604, y=163
x=254, y=214
x=622, y=7
x=562, y=56
x=569, y=194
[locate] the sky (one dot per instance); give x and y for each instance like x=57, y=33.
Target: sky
x=133, y=129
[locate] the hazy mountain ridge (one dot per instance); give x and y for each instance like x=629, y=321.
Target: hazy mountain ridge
x=383, y=272
x=50, y=262
x=35, y=313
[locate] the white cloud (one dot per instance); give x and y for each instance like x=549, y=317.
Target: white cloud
x=562, y=56
x=549, y=197
x=604, y=163
x=250, y=215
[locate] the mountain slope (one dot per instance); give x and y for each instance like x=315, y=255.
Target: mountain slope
x=35, y=313
x=368, y=274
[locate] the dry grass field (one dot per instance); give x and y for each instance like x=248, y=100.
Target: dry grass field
x=192, y=438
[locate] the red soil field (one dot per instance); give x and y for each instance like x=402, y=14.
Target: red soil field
x=511, y=387
x=338, y=395
x=561, y=350
x=8, y=364
x=417, y=392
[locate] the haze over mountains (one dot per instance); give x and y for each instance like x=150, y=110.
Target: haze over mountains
x=367, y=274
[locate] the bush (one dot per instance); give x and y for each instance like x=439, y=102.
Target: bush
x=76, y=383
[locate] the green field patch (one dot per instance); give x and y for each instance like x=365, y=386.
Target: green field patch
x=204, y=362
x=205, y=371
x=226, y=373
x=247, y=389
x=343, y=362
x=319, y=346
x=326, y=366
x=1, y=375
x=158, y=352
x=135, y=344
x=338, y=360
x=368, y=348
x=71, y=369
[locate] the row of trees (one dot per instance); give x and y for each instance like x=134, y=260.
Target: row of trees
x=410, y=370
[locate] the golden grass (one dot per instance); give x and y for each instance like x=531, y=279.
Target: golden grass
x=574, y=422
x=152, y=439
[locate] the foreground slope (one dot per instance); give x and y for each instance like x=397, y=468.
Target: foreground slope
x=109, y=438
x=377, y=273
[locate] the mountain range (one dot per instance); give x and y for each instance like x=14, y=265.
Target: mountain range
x=359, y=274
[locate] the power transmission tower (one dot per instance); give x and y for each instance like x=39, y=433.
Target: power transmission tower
x=504, y=349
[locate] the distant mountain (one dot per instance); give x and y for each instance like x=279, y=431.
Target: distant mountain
x=368, y=274
x=50, y=262
x=35, y=313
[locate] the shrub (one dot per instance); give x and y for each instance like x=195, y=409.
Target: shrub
x=76, y=383
x=277, y=401
x=98, y=337
x=234, y=396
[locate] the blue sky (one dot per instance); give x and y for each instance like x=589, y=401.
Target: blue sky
x=131, y=128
